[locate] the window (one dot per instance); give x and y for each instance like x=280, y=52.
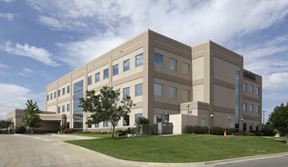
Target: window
x=105, y=123
x=158, y=89
x=89, y=125
x=139, y=60
x=63, y=108
x=47, y=97
x=139, y=89
x=59, y=93
x=172, y=92
x=51, y=96
x=256, y=108
x=137, y=117
x=68, y=89
x=115, y=69
x=245, y=107
x=250, y=108
x=63, y=91
x=90, y=80
x=106, y=73
x=257, y=91
x=97, y=125
x=158, y=60
x=126, y=92
x=126, y=120
x=245, y=87
x=126, y=65
x=250, y=88
x=185, y=95
x=172, y=64
x=186, y=68
x=97, y=77
x=68, y=107
x=58, y=109
x=55, y=94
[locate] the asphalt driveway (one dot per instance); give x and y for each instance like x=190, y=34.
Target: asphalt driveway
x=49, y=150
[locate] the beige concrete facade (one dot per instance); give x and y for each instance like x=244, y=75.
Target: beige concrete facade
x=206, y=81
x=50, y=121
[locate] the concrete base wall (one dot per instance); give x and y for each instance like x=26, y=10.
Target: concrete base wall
x=180, y=121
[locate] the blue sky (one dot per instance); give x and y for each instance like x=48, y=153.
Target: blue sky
x=48, y=39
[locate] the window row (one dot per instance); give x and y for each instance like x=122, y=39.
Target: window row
x=63, y=108
x=248, y=107
x=250, y=88
x=54, y=95
x=172, y=63
x=172, y=92
x=115, y=69
x=138, y=90
x=125, y=121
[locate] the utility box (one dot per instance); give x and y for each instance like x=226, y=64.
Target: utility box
x=164, y=128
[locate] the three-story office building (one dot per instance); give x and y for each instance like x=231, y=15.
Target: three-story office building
x=165, y=78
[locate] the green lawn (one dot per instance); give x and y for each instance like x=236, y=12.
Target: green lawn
x=183, y=148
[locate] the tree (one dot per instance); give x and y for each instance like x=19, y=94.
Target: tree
x=279, y=119
x=6, y=124
x=31, y=118
x=106, y=106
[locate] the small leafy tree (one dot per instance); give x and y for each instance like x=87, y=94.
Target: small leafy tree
x=31, y=117
x=279, y=119
x=106, y=106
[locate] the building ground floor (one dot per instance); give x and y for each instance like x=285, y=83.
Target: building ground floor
x=188, y=114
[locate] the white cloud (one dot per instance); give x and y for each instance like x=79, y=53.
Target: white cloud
x=191, y=22
x=25, y=72
x=6, y=0
x=83, y=51
x=3, y=66
x=15, y=96
x=39, y=54
x=276, y=81
x=262, y=49
x=8, y=16
x=58, y=25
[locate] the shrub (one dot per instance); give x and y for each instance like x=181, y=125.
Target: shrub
x=196, y=129
x=217, y=131
x=68, y=130
x=268, y=130
x=20, y=129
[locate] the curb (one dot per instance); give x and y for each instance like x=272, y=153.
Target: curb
x=247, y=158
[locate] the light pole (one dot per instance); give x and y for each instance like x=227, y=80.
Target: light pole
x=229, y=118
x=241, y=122
x=209, y=127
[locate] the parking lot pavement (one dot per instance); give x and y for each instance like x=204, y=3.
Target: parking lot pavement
x=50, y=151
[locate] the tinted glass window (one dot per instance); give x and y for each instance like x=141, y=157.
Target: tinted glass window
x=158, y=89
x=106, y=73
x=97, y=77
x=115, y=69
x=126, y=65
x=139, y=89
x=139, y=60
x=158, y=59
